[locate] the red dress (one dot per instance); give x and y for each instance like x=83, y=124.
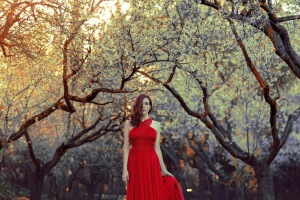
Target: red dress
x=145, y=178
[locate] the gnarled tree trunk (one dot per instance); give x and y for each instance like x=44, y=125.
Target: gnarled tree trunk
x=37, y=185
x=264, y=180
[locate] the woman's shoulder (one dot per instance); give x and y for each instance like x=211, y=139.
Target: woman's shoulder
x=128, y=124
x=156, y=123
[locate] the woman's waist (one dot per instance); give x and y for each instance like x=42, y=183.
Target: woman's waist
x=142, y=148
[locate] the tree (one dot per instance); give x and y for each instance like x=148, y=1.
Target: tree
x=79, y=66
x=229, y=52
x=225, y=135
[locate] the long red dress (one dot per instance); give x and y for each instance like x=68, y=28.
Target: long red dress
x=145, y=178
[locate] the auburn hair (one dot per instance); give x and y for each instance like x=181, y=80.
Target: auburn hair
x=136, y=112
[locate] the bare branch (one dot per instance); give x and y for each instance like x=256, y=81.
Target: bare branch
x=271, y=101
x=231, y=146
x=90, y=97
x=34, y=119
x=287, y=18
x=62, y=149
x=31, y=151
x=199, y=152
x=289, y=125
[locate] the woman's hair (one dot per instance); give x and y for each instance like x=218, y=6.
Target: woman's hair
x=136, y=111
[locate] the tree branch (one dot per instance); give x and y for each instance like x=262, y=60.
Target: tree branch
x=32, y=120
x=231, y=147
x=287, y=130
x=287, y=18
x=277, y=33
x=271, y=101
x=90, y=97
x=289, y=125
x=62, y=149
x=36, y=161
x=202, y=155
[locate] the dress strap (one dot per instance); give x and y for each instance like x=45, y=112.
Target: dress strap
x=147, y=121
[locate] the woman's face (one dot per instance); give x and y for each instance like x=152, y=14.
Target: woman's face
x=146, y=106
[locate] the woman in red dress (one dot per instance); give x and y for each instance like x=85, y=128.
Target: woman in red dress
x=144, y=170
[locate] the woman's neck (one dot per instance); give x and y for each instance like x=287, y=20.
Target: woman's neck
x=143, y=118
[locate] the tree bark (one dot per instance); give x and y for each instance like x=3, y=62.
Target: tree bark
x=213, y=189
x=225, y=192
x=241, y=194
x=180, y=178
x=264, y=181
x=37, y=186
x=91, y=189
x=201, y=186
x=101, y=191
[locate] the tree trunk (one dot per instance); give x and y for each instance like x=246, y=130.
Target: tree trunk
x=52, y=186
x=101, y=190
x=213, y=189
x=181, y=180
x=91, y=189
x=265, y=184
x=217, y=188
x=242, y=190
x=225, y=192
x=201, y=186
x=37, y=186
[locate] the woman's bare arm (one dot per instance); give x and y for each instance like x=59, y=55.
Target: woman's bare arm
x=157, y=148
x=126, y=146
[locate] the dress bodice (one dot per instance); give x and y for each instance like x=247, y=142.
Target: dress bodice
x=143, y=137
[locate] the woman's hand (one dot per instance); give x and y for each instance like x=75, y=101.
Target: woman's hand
x=125, y=177
x=167, y=173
